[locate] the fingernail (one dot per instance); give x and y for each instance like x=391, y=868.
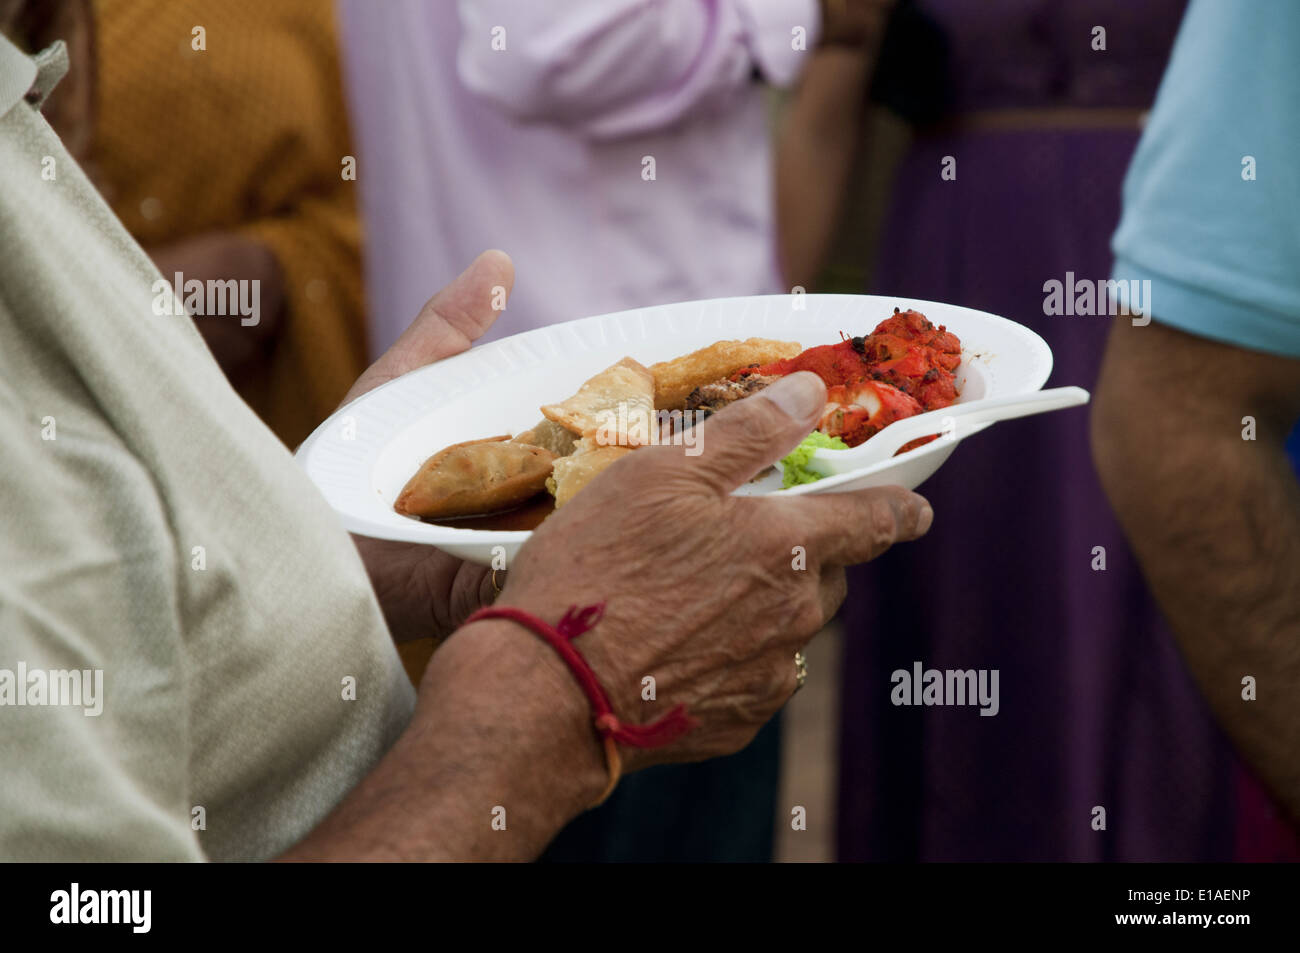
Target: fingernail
x=925, y=519
x=799, y=395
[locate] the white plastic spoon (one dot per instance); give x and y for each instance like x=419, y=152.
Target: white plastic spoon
x=947, y=422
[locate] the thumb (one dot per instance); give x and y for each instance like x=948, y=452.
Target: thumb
x=460, y=313
x=448, y=324
x=755, y=432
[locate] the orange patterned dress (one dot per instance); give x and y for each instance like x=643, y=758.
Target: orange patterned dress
x=247, y=135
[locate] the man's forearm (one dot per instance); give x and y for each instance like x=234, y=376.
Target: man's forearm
x=499, y=756
x=1215, y=522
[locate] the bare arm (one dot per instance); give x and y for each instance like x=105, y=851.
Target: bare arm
x=815, y=149
x=819, y=138
x=1214, y=520
x=500, y=725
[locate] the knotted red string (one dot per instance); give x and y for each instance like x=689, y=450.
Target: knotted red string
x=575, y=622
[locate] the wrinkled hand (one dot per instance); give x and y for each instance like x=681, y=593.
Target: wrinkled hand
x=424, y=591
x=702, y=588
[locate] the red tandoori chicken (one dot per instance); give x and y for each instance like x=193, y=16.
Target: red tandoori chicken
x=905, y=366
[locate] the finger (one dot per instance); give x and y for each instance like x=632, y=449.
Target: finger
x=753, y=433
x=469, y=304
x=448, y=324
x=789, y=668
x=832, y=587
x=471, y=590
x=848, y=528
x=456, y=316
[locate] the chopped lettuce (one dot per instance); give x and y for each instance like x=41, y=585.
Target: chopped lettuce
x=795, y=466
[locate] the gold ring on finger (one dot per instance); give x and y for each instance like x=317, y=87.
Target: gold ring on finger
x=800, y=670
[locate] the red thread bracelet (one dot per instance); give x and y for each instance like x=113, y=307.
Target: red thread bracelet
x=611, y=730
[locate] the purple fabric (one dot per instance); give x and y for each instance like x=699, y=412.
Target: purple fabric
x=1097, y=708
x=1022, y=54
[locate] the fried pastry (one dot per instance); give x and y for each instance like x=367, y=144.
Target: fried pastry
x=675, y=379
x=616, y=407
x=575, y=471
x=550, y=436
x=479, y=476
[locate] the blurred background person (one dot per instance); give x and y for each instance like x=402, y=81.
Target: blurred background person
x=217, y=132
x=840, y=133
x=1034, y=114
x=620, y=151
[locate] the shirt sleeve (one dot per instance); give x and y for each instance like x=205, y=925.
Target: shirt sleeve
x=93, y=712
x=1212, y=198
x=611, y=68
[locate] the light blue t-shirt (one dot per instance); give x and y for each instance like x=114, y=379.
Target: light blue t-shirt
x=1212, y=198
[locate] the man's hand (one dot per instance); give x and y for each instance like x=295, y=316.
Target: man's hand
x=225, y=256
x=423, y=591
x=708, y=593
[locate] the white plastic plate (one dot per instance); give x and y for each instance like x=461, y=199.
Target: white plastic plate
x=362, y=456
